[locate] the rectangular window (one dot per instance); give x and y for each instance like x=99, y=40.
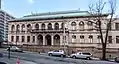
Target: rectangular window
x=23, y=38
x=117, y=26
x=81, y=37
x=33, y=38
x=99, y=37
x=28, y=38
x=17, y=38
x=110, y=39
x=73, y=36
x=117, y=39
x=12, y=38
x=90, y=37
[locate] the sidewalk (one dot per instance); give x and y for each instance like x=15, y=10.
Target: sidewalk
x=13, y=61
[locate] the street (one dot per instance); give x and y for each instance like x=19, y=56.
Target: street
x=45, y=59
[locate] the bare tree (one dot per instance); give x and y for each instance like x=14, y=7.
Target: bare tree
x=96, y=11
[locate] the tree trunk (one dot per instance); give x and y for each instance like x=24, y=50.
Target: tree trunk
x=104, y=51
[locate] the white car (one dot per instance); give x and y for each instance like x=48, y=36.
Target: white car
x=81, y=55
x=15, y=49
x=57, y=53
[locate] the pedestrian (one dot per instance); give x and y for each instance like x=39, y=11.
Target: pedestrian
x=18, y=60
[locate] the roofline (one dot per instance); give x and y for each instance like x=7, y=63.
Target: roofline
x=53, y=13
x=37, y=15
x=34, y=19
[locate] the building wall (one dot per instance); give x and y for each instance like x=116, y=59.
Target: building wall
x=73, y=30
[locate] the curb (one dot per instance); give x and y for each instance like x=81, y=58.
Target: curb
x=21, y=58
x=13, y=60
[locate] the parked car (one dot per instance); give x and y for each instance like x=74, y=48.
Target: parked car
x=1, y=54
x=117, y=59
x=60, y=53
x=81, y=55
x=3, y=63
x=15, y=49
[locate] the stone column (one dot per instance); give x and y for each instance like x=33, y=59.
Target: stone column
x=26, y=28
x=53, y=25
x=39, y=25
x=15, y=27
x=52, y=40
x=61, y=40
x=59, y=25
x=33, y=25
x=46, y=25
x=25, y=39
x=20, y=28
x=35, y=39
x=43, y=39
x=85, y=25
x=9, y=38
x=31, y=39
x=20, y=40
x=15, y=39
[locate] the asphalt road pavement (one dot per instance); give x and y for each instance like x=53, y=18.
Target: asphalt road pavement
x=14, y=61
x=45, y=59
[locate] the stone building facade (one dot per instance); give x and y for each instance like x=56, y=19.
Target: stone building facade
x=48, y=29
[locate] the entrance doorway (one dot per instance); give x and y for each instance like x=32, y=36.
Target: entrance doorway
x=48, y=40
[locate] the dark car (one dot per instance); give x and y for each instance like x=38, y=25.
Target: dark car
x=117, y=59
x=3, y=63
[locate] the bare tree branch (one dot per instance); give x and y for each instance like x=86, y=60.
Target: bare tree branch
x=97, y=13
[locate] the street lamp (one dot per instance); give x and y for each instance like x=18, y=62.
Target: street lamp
x=64, y=33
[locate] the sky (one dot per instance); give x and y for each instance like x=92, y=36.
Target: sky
x=20, y=8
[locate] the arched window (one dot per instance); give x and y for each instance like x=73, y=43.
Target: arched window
x=18, y=28
x=81, y=25
x=37, y=26
x=43, y=26
x=49, y=26
x=12, y=28
x=73, y=24
x=90, y=25
x=56, y=26
x=97, y=25
x=23, y=27
x=56, y=40
x=40, y=40
x=29, y=27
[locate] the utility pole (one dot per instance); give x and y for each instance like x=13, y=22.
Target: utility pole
x=64, y=35
x=16, y=36
x=9, y=52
